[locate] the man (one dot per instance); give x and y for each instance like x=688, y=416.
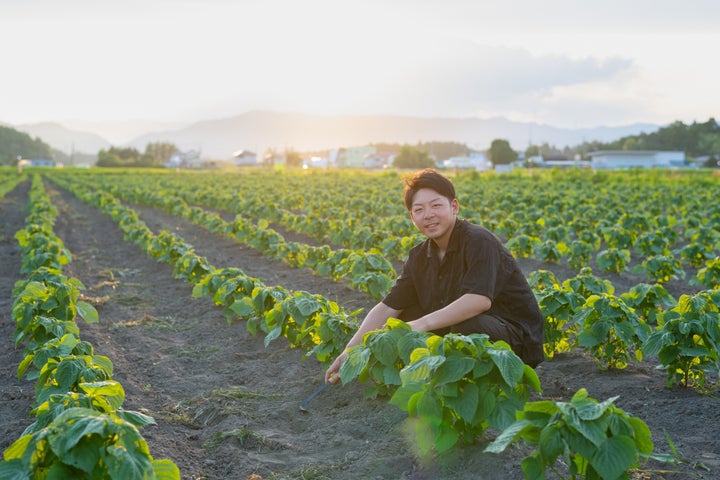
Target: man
x=461, y=279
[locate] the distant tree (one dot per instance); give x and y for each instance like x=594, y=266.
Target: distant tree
x=14, y=144
x=122, y=157
x=444, y=150
x=412, y=157
x=691, y=139
x=160, y=152
x=292, y=158
x=532, y=151
x=501, y=153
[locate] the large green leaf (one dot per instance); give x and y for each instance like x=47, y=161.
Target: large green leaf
x=87, y=312
x=356, y=361
x=614, y=457
x=509, y=364
x=507, y=436
x=165, y=470
x=453, y=369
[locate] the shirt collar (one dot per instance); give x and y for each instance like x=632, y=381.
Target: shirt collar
x=452, y=243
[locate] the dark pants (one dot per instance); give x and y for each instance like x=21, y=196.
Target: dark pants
x=495, y=327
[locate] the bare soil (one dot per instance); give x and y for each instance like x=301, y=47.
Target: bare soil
x=227, y=407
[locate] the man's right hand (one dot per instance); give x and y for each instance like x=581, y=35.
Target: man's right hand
x=332, y=374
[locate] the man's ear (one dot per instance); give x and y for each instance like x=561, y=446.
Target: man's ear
x=455, y=206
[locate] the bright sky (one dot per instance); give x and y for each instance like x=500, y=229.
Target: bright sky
x=560, y=62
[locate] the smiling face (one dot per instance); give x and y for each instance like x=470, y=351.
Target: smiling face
x=434, y=215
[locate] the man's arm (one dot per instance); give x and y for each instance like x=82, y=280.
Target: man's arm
x=374, y=320
x=458, y=311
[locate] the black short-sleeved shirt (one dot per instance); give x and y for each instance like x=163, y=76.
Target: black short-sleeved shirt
x=476, y=262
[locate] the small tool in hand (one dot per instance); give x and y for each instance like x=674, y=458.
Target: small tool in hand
x=304, y=404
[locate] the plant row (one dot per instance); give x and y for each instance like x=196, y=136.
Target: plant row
x=659, y=223
x=454, y=386
x=584, y=312
x=81, y=429
x=366, y=271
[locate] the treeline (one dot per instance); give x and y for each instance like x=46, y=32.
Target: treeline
x=156, y=155
x=695, y=139
x=14, y=144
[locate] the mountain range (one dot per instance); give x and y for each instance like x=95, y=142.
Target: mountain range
x=259, y=130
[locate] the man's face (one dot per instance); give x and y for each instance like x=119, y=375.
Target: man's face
x=433, y=214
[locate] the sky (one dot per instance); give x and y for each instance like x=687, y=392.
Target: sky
x=570, y=64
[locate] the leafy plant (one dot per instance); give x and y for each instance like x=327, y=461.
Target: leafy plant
x=587, y=284
x=559, y=306
x=648, y=300
x=595, y=440
x=82, y=443
x=687, y=341
x=709, y=275
x=610, y=329
x=381, y=356
x=613, y=259
x=661, y=268
x=459, y=385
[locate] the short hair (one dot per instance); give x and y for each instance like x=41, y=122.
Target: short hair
x=427, y=178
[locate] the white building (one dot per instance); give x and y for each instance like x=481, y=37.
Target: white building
x=189, y=159
x=476, y=160
x=244, y=157
x=619, y=159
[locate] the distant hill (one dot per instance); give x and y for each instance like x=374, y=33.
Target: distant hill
x=64, y=139
x=259, y=130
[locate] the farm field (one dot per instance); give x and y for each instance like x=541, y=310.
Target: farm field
x=226, y=405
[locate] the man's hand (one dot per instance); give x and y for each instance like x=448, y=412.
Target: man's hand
x=332, y=374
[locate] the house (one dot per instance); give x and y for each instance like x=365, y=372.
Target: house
x=354, y=157
x=620, y=159
x=555, y=161
x=36, y=162
x=245, y=158
x=189, y=159
x=476, y=160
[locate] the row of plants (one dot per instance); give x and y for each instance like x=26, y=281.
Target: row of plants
x=454, y=386
x=661, y=223
x=583, y=311
x=9, y=182
x=81, y=429
x=366, y=271
x=308, y=321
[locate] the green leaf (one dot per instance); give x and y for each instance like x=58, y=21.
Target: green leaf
x=14, y=469
x=643, y=435
x=591, y=410
x=551, y=442
x=614, y=457
x=453, y=369
x=446, y=438
x=356, y=361
x=165, y=470
x=430, y=408
x=466, y=404
x=509, y=364
x=243, y=307
x=421, y=370
x=87, y=312
x=533, y=467
x=507, y=436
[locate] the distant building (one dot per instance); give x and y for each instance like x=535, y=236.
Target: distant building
x=620, y=159
x=476, y=161
x=189, y=159
x=354, y=157
x=36, y=162
x=555, y=161
x=245, y=158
